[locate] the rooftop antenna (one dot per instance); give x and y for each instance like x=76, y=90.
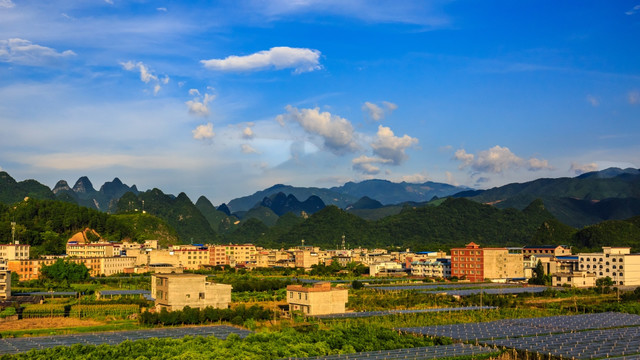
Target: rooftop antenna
x=13, y=232
x=343, y=246
x=302, y=242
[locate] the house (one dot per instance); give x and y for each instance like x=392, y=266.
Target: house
x=320, y=299
x=175, y=291
x=477, y=264
x=615, y=262
x=579, y=279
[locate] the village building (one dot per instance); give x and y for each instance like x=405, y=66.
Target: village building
x=617, y=263
x=477, y=264
x=320, y=299
x=175, y=291
x=14, y=251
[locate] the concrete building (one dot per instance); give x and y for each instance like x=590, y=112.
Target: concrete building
x=305, y=258
x=319, y=299
x=175, y=291
x=90, y=250
x=440, y=268
x=5, y=280
x=14, y=251
x=555, y=250
x=233, y=254
x=386, y=268
x=477, y=264
x=579, y=279
x=615, y=262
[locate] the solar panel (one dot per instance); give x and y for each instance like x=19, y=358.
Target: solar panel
x=17, y=345
x=397, y=312
x=428, y=352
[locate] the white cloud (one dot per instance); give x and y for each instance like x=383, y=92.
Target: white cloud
x=579, y=169
x=199, y=105
x=204, y=132
x=6, y=4
x=593, y=100
x=414, y=178
x=633, y=11
x=388, y=146
x=24, y=52
x=248, y=149
x=247, y=133
x=464, y=157
x=497, y=160
x=146, y=75
x=194, y=92
x=450, y=179
x=163, y=9
x=110, y=2
x=283, y=57
x=364, y=164
x=337, y=133
x=376, y=112
x=634, y=97
x=537, y=164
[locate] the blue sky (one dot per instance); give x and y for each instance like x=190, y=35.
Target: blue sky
x=226, y=98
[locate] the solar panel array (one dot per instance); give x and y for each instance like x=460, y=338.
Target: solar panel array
x=428, y=352
x=580, y=345
x=528, y=327
x=500, y=291
x=397, y=312
x=438, y=286
x=124, y=292
x=19, y=345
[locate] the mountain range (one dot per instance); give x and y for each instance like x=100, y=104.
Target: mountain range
x=424, y=215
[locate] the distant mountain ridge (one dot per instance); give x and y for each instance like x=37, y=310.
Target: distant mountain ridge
x=384, y=191
x=83, y=193
x=609, y=194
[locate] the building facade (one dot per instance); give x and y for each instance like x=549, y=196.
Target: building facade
x=175, y=291
x=615, y=262
x=14, y=251
x=477, y=264
x=320, y=299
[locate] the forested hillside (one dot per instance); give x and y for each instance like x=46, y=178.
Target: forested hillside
x=46, y=225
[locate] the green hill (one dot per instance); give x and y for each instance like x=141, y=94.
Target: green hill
x=180, y=213
x=12, y=191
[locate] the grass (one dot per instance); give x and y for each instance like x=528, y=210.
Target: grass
x=111, y=326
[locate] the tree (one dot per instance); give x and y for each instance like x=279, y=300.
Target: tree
x=65, y=271
x=539, y=278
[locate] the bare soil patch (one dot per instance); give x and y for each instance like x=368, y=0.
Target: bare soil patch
x=47, y=323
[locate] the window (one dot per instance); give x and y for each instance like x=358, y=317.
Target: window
x=201, y=296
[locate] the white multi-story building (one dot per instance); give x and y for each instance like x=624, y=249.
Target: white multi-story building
x=615, y=262
x=434, y=269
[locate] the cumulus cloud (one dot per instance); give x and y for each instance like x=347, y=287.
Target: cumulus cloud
x=364, y=164
x=593, y=100
x=465, y=158
x=199, y=105
x=6, y=4
x=579, y=169
x=414, y=178
x=497, y=160
x=248, y=149
x=376, y=112
x=146, y=75
x=24, y=52
x=282, y=57
x=247, y=133
x=204, y=132
x=634, y=97
x=388, y=146
x=537, y=164
x=336, y=132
